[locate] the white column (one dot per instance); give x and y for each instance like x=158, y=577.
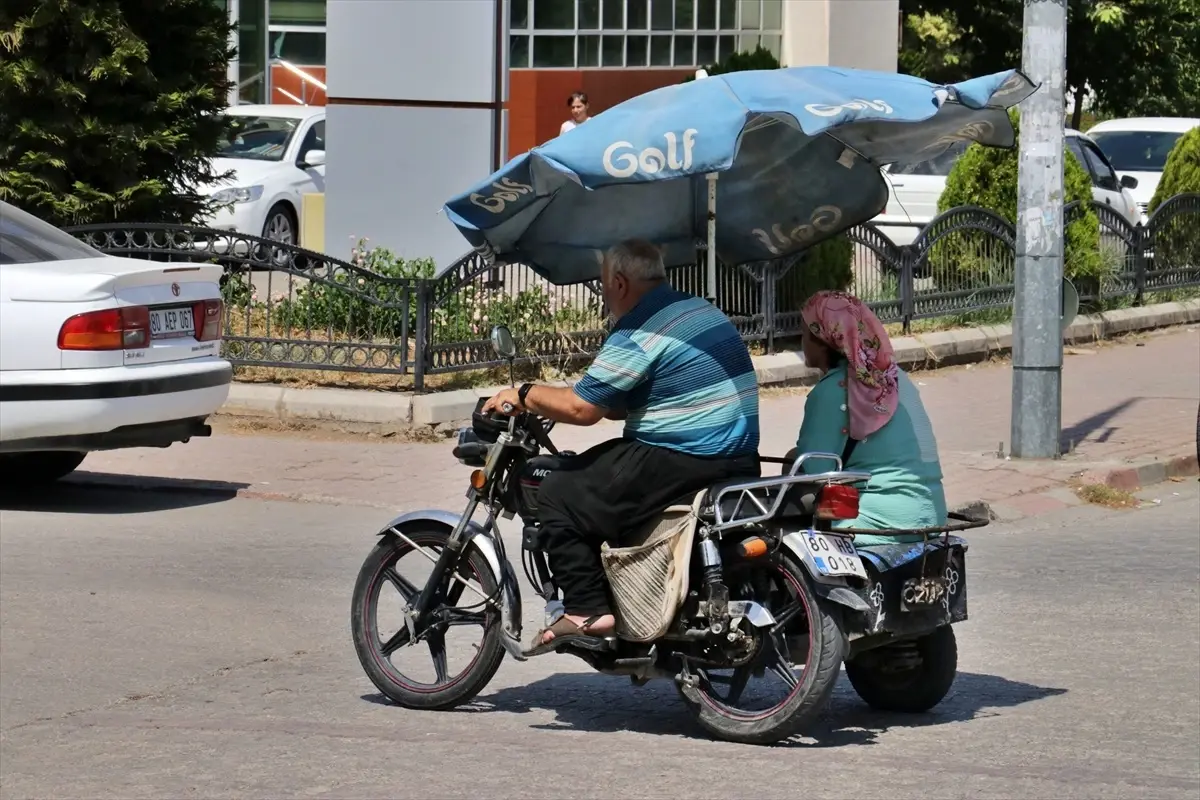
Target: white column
x=412, y=118
x=233, y=73
x=841, y=33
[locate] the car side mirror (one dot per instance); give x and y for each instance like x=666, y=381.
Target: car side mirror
x=1129, y=182
x=313, y=158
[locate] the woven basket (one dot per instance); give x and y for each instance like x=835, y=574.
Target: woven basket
x=649, y=578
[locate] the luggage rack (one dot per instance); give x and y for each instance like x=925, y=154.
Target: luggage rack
x=758, y=492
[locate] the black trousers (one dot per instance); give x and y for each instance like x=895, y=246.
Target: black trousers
x=615, y=487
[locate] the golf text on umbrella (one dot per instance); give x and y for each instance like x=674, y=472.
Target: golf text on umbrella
x=651, y=160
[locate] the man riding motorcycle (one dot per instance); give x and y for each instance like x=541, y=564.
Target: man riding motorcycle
x=676, y=370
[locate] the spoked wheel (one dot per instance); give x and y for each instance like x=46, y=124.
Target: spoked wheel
x=782, y=681
x=449, y=662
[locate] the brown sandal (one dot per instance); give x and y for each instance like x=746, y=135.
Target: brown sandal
x=565, y=631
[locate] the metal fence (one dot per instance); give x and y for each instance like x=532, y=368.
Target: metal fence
x=293, y=308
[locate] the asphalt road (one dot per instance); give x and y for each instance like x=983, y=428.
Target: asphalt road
x=160, y=645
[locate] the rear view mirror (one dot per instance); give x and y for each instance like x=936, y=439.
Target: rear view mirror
x=1129, y=182
x=314, y=158
x=502, y=342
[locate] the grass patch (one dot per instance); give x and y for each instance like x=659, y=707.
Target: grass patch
x=1099, y=494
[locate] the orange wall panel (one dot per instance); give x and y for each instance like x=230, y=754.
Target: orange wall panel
x=290, y=82
x=538, y=98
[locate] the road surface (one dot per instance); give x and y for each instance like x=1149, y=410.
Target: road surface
x=165, y=645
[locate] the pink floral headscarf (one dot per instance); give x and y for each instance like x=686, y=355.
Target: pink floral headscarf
x=847, y=325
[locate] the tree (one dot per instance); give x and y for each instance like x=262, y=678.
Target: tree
x=1181, y=173
x=1134, y=56
x=109, y=108
x=760, y=58
x=987, y=177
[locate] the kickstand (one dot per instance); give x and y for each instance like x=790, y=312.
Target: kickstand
x=685, y=677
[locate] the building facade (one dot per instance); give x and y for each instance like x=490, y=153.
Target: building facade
x=427, y=96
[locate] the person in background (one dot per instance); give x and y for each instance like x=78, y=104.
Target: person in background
x=866, y=409
x=578, y=103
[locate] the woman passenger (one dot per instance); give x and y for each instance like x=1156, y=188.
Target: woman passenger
x=866, y=405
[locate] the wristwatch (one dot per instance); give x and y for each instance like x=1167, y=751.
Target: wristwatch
x=523, y=392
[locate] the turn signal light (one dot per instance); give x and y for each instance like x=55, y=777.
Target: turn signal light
x=478, y=479
x=752, y=547
x=838, y=502
x=125, y=328
x=207, y=315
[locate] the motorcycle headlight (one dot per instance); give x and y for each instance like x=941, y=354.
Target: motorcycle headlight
x=239, y=194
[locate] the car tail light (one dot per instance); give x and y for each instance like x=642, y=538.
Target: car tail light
x=207, y=315
x=838, y=502
x=125, y=328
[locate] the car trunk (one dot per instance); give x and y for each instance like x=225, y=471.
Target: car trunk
x=174, y=294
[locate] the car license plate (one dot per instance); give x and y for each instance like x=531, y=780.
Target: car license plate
x=171, y=323
x=833, y=555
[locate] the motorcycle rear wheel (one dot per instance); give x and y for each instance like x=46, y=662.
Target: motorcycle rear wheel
x=826, y=650
x=914, y=690
x=376, y=571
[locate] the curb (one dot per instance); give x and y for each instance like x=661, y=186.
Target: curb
x=1130, y=478
x=395, y=410
x=1139, y=476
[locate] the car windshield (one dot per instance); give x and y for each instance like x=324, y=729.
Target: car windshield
x=25, y=239
x=938, y=165
x=258, y=138
x=1136, y=151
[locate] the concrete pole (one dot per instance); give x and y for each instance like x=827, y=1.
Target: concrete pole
x=1037, y=307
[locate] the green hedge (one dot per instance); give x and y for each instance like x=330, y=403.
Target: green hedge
x=987, y=177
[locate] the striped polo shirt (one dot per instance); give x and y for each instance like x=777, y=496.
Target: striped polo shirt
x=679, y=368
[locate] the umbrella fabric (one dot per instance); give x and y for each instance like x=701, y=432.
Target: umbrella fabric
x=797, y=150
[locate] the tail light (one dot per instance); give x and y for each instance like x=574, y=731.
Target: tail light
x=111, y=329
x=207, y=315
x=838, y=502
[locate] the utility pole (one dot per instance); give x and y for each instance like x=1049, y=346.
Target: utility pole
x=1037, y=306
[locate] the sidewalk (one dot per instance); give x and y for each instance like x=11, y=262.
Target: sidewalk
x=1123, y=404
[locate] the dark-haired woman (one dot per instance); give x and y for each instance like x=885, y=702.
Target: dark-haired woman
x=578, y=105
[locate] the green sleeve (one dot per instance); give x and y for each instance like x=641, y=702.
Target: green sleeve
x=825, y=423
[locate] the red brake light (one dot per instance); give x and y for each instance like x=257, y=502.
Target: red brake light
x=838, y=502
x=125, y=328
x=207, y=318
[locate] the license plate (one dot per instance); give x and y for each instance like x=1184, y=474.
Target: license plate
x=833, y=555
x=171, y=323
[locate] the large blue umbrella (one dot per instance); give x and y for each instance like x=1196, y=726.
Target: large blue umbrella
x=789, y=157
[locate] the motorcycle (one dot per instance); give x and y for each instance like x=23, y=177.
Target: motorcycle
x=747, y=579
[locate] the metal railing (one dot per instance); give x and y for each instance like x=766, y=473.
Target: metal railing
x=297, y=309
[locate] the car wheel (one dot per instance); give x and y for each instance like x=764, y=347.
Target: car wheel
x=39, y=468
x=281, y=226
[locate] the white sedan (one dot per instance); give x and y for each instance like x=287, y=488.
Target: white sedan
x=276, y=154
x=99, y=353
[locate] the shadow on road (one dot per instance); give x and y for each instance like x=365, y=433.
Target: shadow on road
x=98, y=493
x=606, y=704
x=1095, y=428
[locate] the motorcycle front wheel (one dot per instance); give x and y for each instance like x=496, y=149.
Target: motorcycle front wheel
x=803, y=622
x=387, y=585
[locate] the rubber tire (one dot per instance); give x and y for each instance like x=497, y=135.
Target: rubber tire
x=930, y=682
x=38, y=468
x=298, y=262
x=365, y=632
x=816, y=686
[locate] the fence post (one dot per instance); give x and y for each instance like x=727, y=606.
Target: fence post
x=424, y=323
x=908, y=306
x=768, y=305
x=1141, y=238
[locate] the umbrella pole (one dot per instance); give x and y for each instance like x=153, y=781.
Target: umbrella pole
x=710, y=273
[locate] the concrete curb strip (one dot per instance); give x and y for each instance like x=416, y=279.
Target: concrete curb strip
x=931, y=350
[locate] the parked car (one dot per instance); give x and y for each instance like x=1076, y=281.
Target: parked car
x=277, y=155
x=915, y=188
x=99, y=352
x=1138, y=148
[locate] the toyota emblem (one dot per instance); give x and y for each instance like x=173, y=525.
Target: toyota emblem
x=175, y=289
